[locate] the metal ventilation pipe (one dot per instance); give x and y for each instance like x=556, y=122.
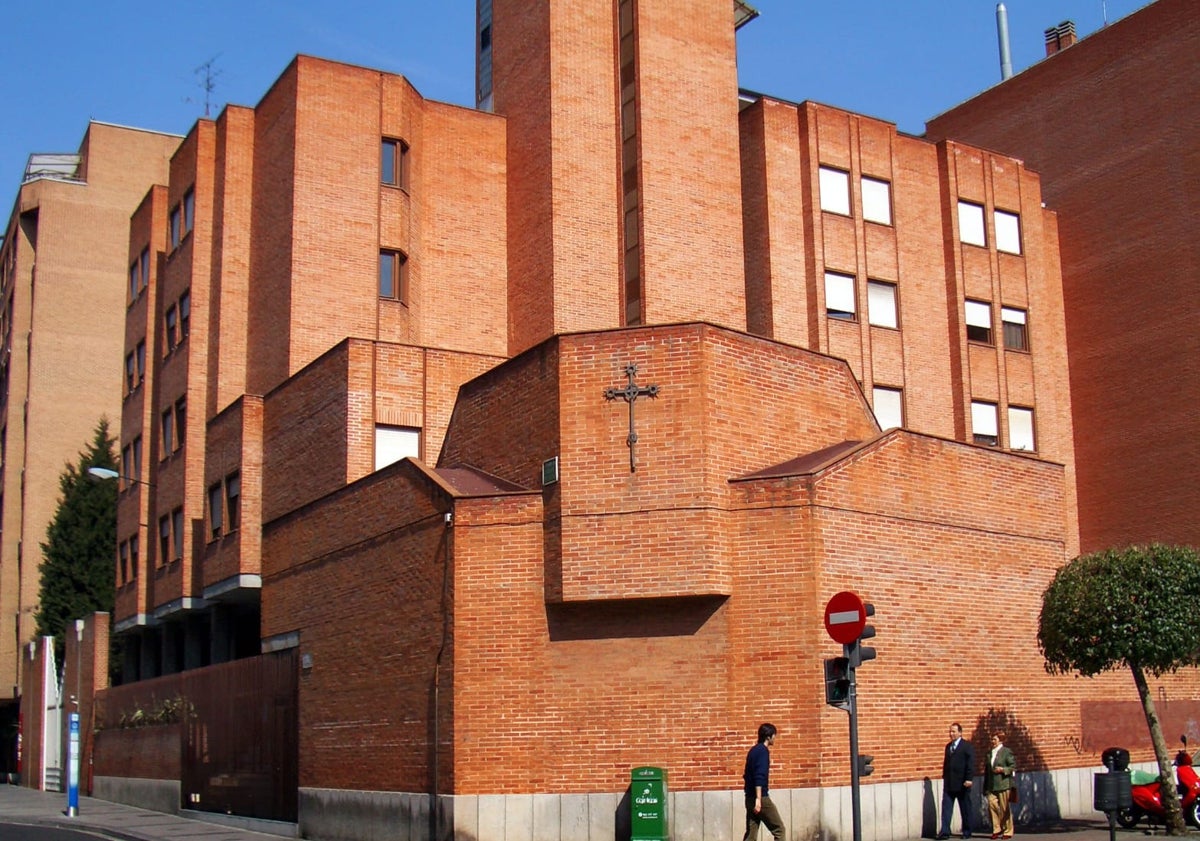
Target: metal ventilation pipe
x=1002, y=34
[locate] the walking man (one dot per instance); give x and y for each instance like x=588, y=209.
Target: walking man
x=958, y=774
x=759, y=808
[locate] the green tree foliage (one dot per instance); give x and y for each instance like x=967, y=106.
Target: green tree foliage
x=1138, y=608
x=77, y=557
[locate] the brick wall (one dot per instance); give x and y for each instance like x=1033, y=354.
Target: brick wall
x=1117, y=100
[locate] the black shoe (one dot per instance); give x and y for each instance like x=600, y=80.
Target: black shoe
x=942, y=836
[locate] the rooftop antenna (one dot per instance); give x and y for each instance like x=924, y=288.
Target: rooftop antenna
x=1104, y=11
x=1002, y=34
x=209, y=82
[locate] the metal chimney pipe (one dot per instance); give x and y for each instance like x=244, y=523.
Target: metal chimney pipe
x=1002, y=33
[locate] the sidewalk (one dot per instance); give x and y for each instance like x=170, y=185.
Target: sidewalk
x=26, y=805
x=30, y=806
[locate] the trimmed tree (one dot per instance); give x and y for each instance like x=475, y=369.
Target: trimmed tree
x=77, y=557
x=1135, y=607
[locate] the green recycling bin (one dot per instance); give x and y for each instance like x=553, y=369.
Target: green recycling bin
x=648, y=804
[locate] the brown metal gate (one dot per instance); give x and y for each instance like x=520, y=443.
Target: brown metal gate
x=241, y=737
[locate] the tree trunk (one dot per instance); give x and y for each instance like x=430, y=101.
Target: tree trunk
x=1166, y=774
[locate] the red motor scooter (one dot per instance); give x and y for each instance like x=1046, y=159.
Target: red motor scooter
x=1147, y=794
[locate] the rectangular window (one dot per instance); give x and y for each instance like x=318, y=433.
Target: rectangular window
x=233, y=499
x=979, y=322
x=123, y=567
x=175, y=232
x=393, y=276
x=839, y=295
x=393, y=163
x=881, y=304
x=393, y=443
x=835, y=190
x=889, y=407
x=134, y=561
x=126, y=463
x=970, y=223
x=185, y=315
x=189, y=211
x=131, y=380
x=164, y=540
x=984, y=426
x=134, y=282
x=140, y=353
x=168, y=428
x=877, y=201
x=1020, y=429
x=137, y=459
x=180, y=421
x=170, y=328
x=216, y=499
x=1008, y=231
x=1016, y=336
x=177, y=527
x=144, y=265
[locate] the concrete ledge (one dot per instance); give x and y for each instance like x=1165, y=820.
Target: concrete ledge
x=281, y=828
x=155, y=795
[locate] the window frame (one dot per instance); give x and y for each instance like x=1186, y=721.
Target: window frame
x=216, y=508
x=170, y=328
x=872, y=201
x=166, y=431
x=971, y=224
x=1027, y=412
x=397, y=275
x=1005, y=235
x=394, y=155
x=892, y=308
x=177, y=532
x=980, y=338
x=1020, y=327
x=185, y=315
x=876, y=392
x=985, y=438
x=164, y=539
x=838, y=313
x=233, y=501
x=833, y=187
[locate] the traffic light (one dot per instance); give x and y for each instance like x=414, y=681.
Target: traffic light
x=856, y=651
x=865, y=769
x=837, y=682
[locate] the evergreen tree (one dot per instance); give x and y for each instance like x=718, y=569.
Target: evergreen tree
x=77, y=558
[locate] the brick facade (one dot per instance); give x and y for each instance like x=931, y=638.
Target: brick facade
x=1102, y=122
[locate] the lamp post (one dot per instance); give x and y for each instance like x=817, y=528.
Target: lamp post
x=109, y=473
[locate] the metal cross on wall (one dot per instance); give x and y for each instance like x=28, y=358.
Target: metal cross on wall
x=630, y=393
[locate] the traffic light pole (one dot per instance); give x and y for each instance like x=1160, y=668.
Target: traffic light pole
x=855, y=799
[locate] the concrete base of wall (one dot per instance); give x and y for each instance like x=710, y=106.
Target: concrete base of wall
x=155, y=795
x=890, y=812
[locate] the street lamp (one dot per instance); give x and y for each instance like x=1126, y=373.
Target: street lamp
x=109, y=473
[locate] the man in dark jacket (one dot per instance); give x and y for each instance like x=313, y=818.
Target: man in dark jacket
x=759, y=808
x=958, y=774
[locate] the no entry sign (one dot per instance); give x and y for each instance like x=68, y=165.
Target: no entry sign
x=845, y=617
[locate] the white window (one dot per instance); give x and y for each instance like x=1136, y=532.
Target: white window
x=393, y=443
x=889, y=407
x=1016, y=336
x=970, y=223
x=839, y=295
x=1008, y=232
x=979, y=322
x=835, y=190
x=984, y=426
x=1020, y=429
x=877, y=201
x=881, y=304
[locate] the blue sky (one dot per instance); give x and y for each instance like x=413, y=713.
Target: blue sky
x=138, y=63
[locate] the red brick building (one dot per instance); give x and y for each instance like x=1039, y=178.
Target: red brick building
x=389, y=423
x=1108, y=123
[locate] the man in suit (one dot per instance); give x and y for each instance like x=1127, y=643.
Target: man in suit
x=958, y=774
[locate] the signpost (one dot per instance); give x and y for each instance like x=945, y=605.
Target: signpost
x=846, y=622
